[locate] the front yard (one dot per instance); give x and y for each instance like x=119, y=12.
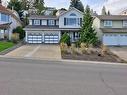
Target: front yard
x=5, y=45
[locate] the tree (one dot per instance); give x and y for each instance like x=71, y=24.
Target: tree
x=103, y=11
x=16, y=5
x=88, y=34
x=77, y=4
x=20, y=31
x=39, y=5
x=65, y=39
x=108, y=13
x=25, y=4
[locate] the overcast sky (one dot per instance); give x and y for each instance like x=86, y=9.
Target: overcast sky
x=114, y=6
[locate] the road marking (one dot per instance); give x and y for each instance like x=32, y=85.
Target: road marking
x=32, y=52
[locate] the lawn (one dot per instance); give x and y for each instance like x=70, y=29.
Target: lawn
x=5, y=45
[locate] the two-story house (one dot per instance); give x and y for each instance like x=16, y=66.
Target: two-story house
x=8, y=21
x=111, y=29
x=48, y=29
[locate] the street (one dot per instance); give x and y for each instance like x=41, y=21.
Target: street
x=37, y=77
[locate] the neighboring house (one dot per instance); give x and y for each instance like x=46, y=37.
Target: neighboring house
x=112, y=30
x=8, y=21
x=48, y=29
x=49, y=11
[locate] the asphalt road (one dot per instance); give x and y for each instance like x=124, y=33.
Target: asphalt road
x=34, y=77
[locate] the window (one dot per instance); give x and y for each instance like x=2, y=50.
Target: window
x=36, y=22
x=5, y=17
x=72, y=14
x=124, y=23
x=51, y=22
x=108, y=23
x=72, y=21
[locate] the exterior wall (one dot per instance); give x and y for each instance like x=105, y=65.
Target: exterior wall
x=67, y=15
x=115, y=24
x=14, y=24
x=96, y=25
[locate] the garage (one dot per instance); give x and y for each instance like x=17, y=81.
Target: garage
x=115, y=39
x=35, y=38
x=51, y=38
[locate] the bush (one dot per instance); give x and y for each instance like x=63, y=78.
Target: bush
x=21, y=32
x=65, y=39
x=64, y=48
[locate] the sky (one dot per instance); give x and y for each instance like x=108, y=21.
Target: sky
x=115, y=6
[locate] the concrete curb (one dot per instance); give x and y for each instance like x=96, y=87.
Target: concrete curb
x=72, y=61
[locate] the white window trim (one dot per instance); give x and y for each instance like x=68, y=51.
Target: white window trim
x=107, y=24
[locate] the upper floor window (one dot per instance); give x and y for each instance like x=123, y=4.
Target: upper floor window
x=72, y=14
x=36, y=22
x=72, y=21
x=124, y=23
x=108, y=23
x=5, y=17
x=51, y=22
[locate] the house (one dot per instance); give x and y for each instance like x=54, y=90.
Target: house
x=9, y=20
x=49, y=11
x=48, y=29
x=111, y=29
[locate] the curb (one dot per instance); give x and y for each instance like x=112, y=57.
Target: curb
x=72, y=61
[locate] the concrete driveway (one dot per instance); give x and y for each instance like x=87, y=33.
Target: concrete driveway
x=120, y=51
x=37, y=52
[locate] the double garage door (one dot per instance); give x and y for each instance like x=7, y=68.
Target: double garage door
x=46, y=38
x=115, y=39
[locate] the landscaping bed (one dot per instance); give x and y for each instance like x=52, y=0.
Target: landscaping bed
x=92, y=54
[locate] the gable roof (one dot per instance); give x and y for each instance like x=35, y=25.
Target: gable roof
x=70, y=9
x=112, y=17
x=42, y=17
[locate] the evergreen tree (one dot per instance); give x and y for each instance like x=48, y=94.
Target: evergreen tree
x=109, y=13
x=103, y=11
x=77, y=4
x=39, y=5
x=16, y=5
x=87, y=34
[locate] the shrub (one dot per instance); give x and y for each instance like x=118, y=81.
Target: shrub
x=64, y=48
x=21, y=32
x=65, y=39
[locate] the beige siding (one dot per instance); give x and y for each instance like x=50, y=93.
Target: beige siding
x=115, y=24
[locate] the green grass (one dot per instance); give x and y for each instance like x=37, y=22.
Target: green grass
x=5, y=45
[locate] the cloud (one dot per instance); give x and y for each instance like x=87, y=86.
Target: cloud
x=116, y=6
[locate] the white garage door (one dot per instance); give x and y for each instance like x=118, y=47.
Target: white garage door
x=51, y=38
x=123, y=39
x=115, y=39
x=35, y=39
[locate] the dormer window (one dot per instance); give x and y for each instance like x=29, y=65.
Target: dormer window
x=108, y=23
x=72, y=14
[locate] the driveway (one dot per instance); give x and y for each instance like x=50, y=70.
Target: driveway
x=37, y=52
x=120, y=51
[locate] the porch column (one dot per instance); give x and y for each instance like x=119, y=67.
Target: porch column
x=26, y=36
x=59, y=35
